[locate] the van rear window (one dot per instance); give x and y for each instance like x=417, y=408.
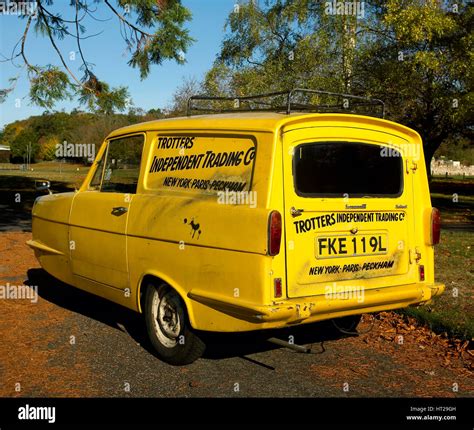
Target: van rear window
x=336, y=169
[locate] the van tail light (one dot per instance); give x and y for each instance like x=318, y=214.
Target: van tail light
x=277, y=287
x=435, y=226
x=274, y=233
x=421, y=269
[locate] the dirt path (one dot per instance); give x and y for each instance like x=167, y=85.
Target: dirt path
x=70, y=343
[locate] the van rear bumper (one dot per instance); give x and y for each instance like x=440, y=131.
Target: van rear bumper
x=316, y=308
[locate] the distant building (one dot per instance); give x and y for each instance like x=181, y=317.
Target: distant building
x=444, y=167
x=4, y=154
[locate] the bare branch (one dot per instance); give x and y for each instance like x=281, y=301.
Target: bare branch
x=79, y=42
x=48, y=30
x=255, y=63
x=12, y=56
x=125, y=21
x=23, y=40
x=93, y=17
x=59, y=18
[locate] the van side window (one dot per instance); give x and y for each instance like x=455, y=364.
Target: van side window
x=335, y=169
x=122, y=165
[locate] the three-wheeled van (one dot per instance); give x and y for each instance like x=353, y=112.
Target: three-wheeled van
x=244, y=221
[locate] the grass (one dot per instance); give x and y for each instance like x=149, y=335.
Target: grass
x=72, y=174
x=462, y=199
x=453, y=311
x=455, y=200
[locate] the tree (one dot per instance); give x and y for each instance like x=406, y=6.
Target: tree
x=45, y=132
x=11, y=131
x=155, y=113
x=179, y=102
x=286, y=44
x=153, y=31
x=300, y=43
x=422, y=66
x=48, y=147
x=25, y=140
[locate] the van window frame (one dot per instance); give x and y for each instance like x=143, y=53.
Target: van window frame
x=104, y=154
x=355, y=195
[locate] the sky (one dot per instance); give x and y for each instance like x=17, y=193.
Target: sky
x=107, y=53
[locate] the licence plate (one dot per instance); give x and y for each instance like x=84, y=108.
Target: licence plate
x=334, y=246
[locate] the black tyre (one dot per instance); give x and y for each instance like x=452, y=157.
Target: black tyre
x=168, y=326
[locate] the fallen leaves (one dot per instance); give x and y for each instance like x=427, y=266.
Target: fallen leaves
x=403, y=330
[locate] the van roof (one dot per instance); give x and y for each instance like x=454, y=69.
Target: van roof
x=255, y=121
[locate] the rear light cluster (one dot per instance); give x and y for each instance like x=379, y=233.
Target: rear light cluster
x=435, y=226
x=277, y=287
x=274, y=233
x=421, y=269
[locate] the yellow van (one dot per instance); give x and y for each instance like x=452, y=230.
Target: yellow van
x=245, y=221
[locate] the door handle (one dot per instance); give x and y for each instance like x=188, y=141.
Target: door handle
x=119, y=210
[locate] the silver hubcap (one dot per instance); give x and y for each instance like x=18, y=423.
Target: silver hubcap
x=166, y=317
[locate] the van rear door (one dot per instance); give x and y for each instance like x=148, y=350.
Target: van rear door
x=348, y=210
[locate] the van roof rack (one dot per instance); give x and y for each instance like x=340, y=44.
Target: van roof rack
x=298, y=99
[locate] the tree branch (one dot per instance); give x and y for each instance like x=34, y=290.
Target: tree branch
x=255, y=63
x=23, y=40
x=48, y=30
x=79, y=42
x=125, y=21
x=59, y=18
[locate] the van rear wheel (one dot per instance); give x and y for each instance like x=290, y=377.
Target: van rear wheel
x=168, y=326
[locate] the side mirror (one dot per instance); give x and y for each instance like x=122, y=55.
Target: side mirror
x=42, y=185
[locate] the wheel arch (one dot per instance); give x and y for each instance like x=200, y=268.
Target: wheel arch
x=157, y=278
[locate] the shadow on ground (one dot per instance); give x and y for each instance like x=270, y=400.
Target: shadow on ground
x=17, y=195
x=219, y=346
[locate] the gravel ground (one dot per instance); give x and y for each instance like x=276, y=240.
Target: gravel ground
x=73, y=344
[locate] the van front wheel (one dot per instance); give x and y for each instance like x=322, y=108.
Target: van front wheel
x=168, y=326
